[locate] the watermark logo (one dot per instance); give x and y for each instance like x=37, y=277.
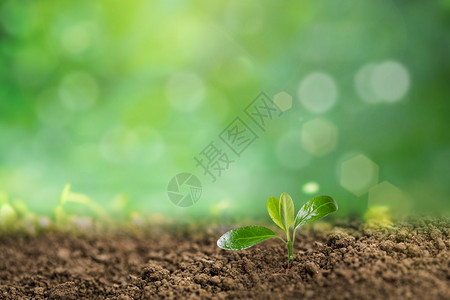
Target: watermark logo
x=184, y=189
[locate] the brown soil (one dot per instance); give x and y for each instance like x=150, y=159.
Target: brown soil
x=412, y=262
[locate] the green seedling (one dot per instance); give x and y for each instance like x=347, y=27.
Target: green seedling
x=67, y=196
x=282, y=213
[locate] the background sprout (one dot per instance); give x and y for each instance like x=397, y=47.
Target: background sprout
x=281, y=212
x=28, y=220
x=64, y=219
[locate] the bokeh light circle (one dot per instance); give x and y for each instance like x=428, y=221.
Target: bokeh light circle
x=310, y=188
x=363, y=85
x=78, y=37
x=318, y=92
x=358, y=174
x=390, y=81
x=319, y=137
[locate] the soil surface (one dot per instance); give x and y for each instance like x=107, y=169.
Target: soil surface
x=409, y=262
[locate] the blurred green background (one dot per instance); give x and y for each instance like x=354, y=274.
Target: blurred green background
x=118, y=97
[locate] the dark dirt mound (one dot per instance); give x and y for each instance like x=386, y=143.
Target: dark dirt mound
x=411, y=262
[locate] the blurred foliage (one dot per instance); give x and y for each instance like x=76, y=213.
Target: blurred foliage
x=378, y=218
x=116, y=98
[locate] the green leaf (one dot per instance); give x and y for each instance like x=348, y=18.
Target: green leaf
x=65, y=194
x=273, y=207
x=244, y=237
x=316, y=208
x=287, y=210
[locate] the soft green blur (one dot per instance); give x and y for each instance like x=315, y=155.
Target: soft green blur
x=117, y=97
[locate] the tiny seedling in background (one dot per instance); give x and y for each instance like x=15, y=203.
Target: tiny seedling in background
x=63, y=218
x=282, y=213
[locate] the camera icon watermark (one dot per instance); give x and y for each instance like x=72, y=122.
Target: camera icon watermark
x=184, y=189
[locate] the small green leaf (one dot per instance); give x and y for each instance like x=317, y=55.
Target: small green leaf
x=244, y=237
x=273, y=207
x=316, y=208
x=287, y=210
x=65, y=194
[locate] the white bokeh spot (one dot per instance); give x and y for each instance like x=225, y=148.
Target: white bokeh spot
x=318, y=92
x=310, y=188
x=78, y=38
x=319, y=137
x=363, y=85
x=359, y=174
x=388, y=81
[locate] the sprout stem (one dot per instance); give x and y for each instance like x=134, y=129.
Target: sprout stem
x=290, y=251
